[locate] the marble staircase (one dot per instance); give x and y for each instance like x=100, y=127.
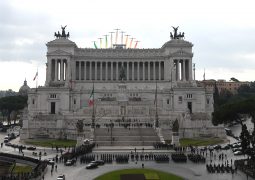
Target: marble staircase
x=125, y=136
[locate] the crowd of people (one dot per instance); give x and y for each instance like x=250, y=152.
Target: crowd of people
x=196, y=158
x=161, y=158
x=122, y=158
x=179, y=157
x=160, y=145
x=220, y=168
x=87, y=158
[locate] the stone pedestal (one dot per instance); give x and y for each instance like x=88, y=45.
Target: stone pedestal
x=79, y=140
x=175, y=139
x=92, y=133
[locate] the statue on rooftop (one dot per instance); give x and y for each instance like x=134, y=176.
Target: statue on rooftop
x=63, y=31
x=175, y=34
x=63, y=34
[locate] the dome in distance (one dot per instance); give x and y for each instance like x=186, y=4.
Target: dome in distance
x=23, y=90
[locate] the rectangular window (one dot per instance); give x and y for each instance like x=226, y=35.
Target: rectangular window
x=167, y=101
x=180, y=99
x=189, y=96
x=53, y=96
x=53, y=107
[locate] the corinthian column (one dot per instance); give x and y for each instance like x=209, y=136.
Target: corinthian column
x=127, y=71
x=56, y=70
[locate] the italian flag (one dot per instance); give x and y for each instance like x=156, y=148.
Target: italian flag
x=95, y=45
x=35, y=75
x=91, y=98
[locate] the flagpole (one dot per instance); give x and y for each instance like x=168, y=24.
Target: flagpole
x=116, y=37
x=156, y=114
x=93, y=110
x=194, y=71
x=106, y=42
x=37, y=79
x=204, y=74
x=127, y=40
x=111, y=38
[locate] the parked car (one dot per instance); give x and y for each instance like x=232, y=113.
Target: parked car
x=61, y=177
x=238, y=153
x=226, y=147
x=8, y=144
x=217, y=147
x=22, y=147
x=98, y=162
x=12, y=136
x=6, y=139
x=70, y=162
x=91, y=166
x=236, y=149
x=50, y=161
x=31, y=148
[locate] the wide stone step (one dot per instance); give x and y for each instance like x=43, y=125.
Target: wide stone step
x=123, y=132
x=128, y=138
x=125, y=143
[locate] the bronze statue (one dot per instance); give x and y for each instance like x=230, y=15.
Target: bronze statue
x=79, y=126
x=122, y=73
x=171, y=35
x=56, y=35
x=175, y=126
x=175, y=31
x=63, y=31
x=63, y=35
x=176, y=35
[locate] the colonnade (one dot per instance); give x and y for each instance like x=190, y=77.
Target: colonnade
x=58, y=69
x=105, y=71
x=183, y=69
x=110, y=70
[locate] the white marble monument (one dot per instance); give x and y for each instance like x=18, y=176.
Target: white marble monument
x=124, y=89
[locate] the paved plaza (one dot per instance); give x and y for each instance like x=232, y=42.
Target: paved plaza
x=189, y=170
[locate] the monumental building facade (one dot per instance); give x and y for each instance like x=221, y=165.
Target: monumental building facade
x=154, y=87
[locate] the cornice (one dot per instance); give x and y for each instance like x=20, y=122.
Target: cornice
x=58, y=52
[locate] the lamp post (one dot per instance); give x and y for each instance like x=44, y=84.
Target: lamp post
x=156, y=101
x=173, y=68
x=111, y=126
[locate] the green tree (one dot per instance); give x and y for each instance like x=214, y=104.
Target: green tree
x=12, y=103
x=232, y=111
x=243, y=89
x=245, y=139
x=216, y=95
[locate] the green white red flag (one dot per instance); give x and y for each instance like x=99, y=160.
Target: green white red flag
x=91, y=97
x=35, y=76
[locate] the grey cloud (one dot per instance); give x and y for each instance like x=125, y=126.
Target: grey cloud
x=15, y=26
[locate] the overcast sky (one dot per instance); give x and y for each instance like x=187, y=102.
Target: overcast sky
x=223, y=32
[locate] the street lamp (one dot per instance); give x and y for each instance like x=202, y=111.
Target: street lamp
x=111, y=126
x=172, y=69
